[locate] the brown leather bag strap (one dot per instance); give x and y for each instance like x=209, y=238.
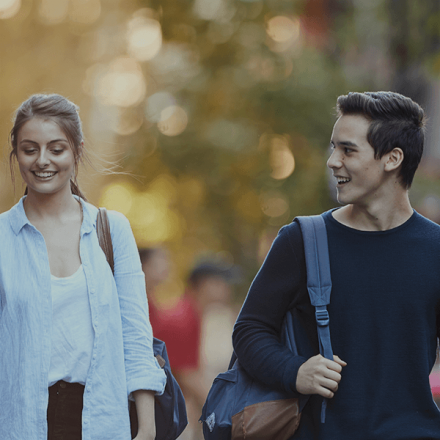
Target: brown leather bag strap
x=104, y=236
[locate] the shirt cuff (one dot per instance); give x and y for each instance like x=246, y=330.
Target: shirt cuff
x=291, y=373
x=155, y=381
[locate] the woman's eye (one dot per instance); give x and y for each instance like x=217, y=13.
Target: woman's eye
x=30, y=151
x=57, y=150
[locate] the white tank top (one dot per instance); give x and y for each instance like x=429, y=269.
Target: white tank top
x=72, y=331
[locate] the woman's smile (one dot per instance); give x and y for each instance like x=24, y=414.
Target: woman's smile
x=45, y=157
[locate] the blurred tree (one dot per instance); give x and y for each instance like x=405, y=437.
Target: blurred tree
x=222, y=110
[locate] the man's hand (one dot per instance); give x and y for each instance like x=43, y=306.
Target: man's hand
x=320, y=376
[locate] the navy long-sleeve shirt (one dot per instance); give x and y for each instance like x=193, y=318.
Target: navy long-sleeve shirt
x=384, y=322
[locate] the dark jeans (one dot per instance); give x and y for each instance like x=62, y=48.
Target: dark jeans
x=64, y=411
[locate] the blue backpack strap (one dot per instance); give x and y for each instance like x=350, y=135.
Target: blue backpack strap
x=319, y=283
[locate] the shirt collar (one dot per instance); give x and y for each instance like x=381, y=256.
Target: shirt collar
x=89, y=216
x=18, y=218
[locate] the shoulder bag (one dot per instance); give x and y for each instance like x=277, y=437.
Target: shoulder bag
x=169, y=408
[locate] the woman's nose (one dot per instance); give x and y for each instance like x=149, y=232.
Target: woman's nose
x=42, y=160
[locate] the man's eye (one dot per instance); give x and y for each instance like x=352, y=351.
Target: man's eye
x=348, y=150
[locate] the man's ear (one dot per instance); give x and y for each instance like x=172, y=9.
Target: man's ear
x=394, y=159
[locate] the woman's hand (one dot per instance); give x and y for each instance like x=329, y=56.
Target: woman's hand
x=145, y=412
x=319, y=375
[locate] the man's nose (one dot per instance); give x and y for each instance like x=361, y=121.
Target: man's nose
x=334, y=161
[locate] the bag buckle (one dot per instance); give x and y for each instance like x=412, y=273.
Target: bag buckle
x=322, y=317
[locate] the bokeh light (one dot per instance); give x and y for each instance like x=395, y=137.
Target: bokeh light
x=156, y=103
x=173, y=121
x=282, y=29
x=129, y=122
x=53, y=11
x=216, y=112
x=149, y=212
x=248, y=206
x=123, y=85
x=144, y=38
x=92, y=77
x=284, y=33
x=208, y=9
x=9, y=8
x=281, y=158
x=273, y=203
x=118, y=197
x=235, y=135
x=84, y=11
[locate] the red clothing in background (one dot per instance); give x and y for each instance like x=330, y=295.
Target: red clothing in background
x=179, y=327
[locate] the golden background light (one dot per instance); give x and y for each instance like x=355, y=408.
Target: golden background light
x=282, y=29
x=144, y=38
x=92, y=76
x=53, y=11
x=9, y=8
x=123, y=85
x=130, y=121
x=156, y=103
x=274, y=204
x=281, y=158
x=149, y=212
x=173, y=121
x=117, y=196
x=248, y=206
x=208, y=9
x=216, y=112
x=84, y=11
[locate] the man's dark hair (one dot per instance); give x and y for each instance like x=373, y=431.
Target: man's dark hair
x=395, y=122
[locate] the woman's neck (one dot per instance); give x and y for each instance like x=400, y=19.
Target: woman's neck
x=39, y=206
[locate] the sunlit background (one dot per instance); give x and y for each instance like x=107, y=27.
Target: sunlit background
x=207, y=122
x=214, y=116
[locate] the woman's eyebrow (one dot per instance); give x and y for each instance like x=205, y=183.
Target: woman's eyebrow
x=36, y=143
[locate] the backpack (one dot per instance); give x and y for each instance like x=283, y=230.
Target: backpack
x=237, y=406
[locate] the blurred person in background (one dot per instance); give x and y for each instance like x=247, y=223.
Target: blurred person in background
x=196, y=328
x=75, y=341
x=209, y=286
x=178, y=324
x=385, y=302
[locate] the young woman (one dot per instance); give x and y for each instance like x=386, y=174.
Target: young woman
x=75, y=341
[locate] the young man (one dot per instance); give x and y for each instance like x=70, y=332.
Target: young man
x=385, y=301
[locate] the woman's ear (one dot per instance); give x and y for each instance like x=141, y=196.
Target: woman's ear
x=394, y=159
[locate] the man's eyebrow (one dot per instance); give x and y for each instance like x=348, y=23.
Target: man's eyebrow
x=36, y=143
x=344, y=143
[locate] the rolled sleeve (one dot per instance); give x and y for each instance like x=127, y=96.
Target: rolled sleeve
x=142, y=369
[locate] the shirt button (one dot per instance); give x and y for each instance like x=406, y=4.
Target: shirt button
x=63, y=385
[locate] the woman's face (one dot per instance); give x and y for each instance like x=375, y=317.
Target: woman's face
x=45, y=158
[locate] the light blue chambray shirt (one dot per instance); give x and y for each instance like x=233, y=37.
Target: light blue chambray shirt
x=122, y=357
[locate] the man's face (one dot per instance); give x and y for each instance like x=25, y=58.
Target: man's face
x=359, y=175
